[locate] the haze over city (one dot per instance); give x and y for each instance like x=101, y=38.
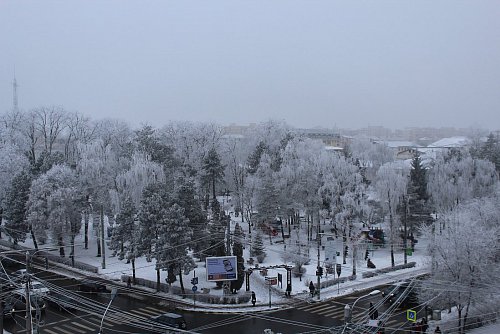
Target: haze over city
x=310, y=63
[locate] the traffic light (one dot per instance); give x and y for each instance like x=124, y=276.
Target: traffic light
x=194, y=280
x=319, y=271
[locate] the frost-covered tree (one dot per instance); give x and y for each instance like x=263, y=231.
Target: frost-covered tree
x=55, y=204
x=391, y=183
x=456, y=177
x=97, y=168
x=370, y=155
x=465, y=258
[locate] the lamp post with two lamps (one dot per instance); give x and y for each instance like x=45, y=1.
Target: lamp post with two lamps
x=348, y=309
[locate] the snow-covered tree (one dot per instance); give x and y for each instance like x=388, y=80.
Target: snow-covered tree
x=238, y=240
x=391, y=183
x=213, y=170
x=55, y=205
x=258, y=249
x=465, y=258
x=124, y=238
x=174, y=238
x=186, y=198
x=15, y=203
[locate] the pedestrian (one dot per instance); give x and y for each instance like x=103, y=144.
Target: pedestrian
x=129, y=282
x=424, y=325
x=371, y=310
x=437, y=331
x=254, y=299
x=311, y=288
x=288, y=290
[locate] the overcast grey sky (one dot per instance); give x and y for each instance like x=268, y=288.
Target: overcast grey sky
x=312, y=63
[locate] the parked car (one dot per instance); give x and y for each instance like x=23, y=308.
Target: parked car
x=173, y=320
x=87, y=285
x=62, y=302
x=402, y=293
x=20, y=273
x=16, y=302
x=38, y=287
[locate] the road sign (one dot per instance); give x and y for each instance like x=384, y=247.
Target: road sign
x=271, y=280
x=411, y=315
x=194, y=280
x=194, y=288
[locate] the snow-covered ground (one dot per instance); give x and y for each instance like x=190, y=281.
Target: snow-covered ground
x=115, y=268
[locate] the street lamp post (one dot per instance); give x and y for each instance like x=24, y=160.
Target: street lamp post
x=113, y=295
x=348, y=310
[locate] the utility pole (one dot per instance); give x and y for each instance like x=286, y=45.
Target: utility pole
x=28, y=302
x=405, y=239
x=318, y=236
x=103, y=241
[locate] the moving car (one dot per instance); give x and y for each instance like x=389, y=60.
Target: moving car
x=16, y=302
x=173, y=320
x=401, y=293
x=87, y=285
x=62, y=302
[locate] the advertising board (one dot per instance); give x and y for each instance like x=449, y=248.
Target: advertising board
x=221, y=268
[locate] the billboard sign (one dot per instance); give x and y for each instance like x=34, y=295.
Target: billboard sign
x=331, y=251
x=221, y=268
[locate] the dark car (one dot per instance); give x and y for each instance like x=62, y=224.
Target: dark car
x=16, y=302
x=173, y=320
x=88, y=285
x=62, y=302
x=401, y=293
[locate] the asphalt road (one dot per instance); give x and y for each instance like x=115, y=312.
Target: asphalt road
x=130, y=315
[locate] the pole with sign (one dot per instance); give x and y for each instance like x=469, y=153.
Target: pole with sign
x=271, y=281
x=339, y=270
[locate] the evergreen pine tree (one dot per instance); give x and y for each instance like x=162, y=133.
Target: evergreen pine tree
x=187, y=199
x=253, y=160
x=213, y=170
x=15, y=207
x=123, y=237
x=258, y=249
x=238, y=252
x=418, y=207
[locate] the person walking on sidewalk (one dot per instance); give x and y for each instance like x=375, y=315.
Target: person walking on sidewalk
x=372, y=312
x=254, y=299
x=438, y=330
x=311, y=289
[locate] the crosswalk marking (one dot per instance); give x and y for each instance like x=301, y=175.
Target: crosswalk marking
x=93, y=320
x=140, y=313
x=154, y=309
x=64, y=331
x=82, y=326
x=143, y=312
x=331, y=312
x=73, y=329
x=49, y=331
